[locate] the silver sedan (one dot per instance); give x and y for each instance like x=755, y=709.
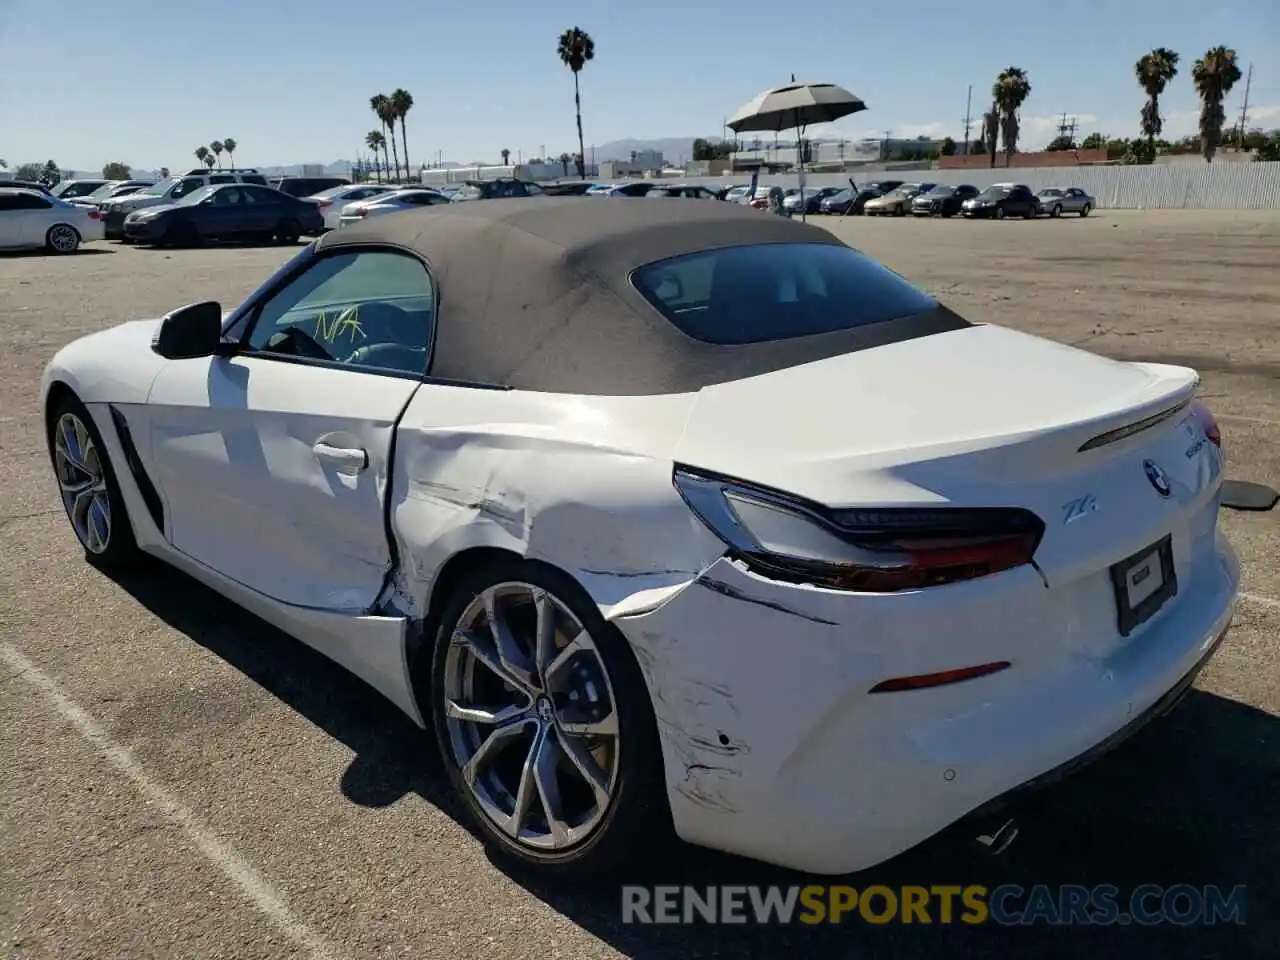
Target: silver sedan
x=1055, y=201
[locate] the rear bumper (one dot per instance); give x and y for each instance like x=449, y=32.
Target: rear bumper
x=775, y=749
x=113, y=225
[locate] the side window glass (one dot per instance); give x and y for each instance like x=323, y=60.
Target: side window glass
x=222, y=178
x=28, y=202
x=254, y=178
x=371, y=310
x=188, y=185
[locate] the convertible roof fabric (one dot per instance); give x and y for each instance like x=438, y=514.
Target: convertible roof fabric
x=535, y=294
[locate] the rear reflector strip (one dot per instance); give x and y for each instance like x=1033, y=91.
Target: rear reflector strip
x=1112, y=436
x=923, y=681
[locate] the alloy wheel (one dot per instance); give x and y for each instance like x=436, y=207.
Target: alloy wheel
x=530, y=717
x=83, y=483
x=63, y=239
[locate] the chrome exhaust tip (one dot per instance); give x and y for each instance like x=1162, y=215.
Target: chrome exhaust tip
x=998, y=841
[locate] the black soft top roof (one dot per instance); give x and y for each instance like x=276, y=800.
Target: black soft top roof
x=535, y=293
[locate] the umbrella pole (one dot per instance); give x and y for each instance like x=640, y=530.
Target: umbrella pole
x=804, y=207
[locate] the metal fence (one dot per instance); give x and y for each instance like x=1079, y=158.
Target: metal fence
x=1181, y=186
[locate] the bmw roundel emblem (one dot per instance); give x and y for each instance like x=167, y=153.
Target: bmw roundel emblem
x=1159, y=479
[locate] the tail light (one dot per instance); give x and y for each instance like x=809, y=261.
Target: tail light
x=1202, y=413
x=324, y=203
x=362, y=211
x=868, y=551
x=95, y=214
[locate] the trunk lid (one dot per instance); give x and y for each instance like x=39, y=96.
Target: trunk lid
x=983, y=416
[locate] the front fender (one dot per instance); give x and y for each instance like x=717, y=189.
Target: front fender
x=111, y=366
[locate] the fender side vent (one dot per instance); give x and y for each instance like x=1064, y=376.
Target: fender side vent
x=149, y=495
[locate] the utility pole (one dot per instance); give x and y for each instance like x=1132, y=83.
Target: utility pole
x=1244, y=110
x=968, y=119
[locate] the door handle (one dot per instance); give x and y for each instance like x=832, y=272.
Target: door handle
x=346, y=459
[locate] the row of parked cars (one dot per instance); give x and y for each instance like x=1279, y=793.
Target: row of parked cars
x=198, y=204
x=896, y=198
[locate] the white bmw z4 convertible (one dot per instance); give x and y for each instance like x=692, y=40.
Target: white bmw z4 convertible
x=668, y=515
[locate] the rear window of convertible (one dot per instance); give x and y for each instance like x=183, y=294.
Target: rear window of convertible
x=776, y=291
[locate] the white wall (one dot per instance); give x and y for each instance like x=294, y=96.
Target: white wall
x=1215, y=186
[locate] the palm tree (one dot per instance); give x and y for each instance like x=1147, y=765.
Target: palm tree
x=1154, y=71
x=230, y=146
x=217, y=147
x=565, y=160
x=1010, y=91
x=202, y=154
x=506, y=155
x=401, y=104
x=576, y=49
x=991, y=131
x=1214, y=74
x=381, y=105
x=375, y=141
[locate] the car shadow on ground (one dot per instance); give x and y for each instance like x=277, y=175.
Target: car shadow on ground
x=1193, y=799
x=23, y=254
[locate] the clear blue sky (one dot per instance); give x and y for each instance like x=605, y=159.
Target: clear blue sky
x=146, y=83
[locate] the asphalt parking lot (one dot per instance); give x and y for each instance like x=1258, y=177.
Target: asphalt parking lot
x=178, y=780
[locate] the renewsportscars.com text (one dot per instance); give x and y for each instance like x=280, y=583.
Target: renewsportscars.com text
x=1006, y=905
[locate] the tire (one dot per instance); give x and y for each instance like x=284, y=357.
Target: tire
x=999, y=213
x=62, y=239
x=900, y=210
x=635, y=813
x=288, y=232
x=1056, y=211
x=1031, y=213
x=104, y=510
x=1084, y=211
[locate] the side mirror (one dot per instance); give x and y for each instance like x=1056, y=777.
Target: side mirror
x=190, y=332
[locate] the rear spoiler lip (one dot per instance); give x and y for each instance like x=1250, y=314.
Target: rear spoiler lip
x=1136, y=427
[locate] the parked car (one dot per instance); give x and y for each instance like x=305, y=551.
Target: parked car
x=682, y=190
x=395, y=201
x=499, y=189
x=896, y=202
x=28, y=185
x=737, y=194
x=71, y=189
x=227, y=211
x=170, y=191
x=632, y=188
x=644, y=573
x=813, y=197
x=567, y=189
x=943, y=200
x=1002, y=200
x=307, y=186
x=332, y=201
x=30, y=220
x=113, y=188
x=1056, y=201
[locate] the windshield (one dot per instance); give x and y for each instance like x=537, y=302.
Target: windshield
x=102, y=192
x=159, y=189
x=1050, y=193
x=942, y=190
x=993, y=193
x=844, y=194
x=796, y=290
x=904, y=191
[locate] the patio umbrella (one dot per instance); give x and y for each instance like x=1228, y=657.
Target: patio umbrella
x=794, y=107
